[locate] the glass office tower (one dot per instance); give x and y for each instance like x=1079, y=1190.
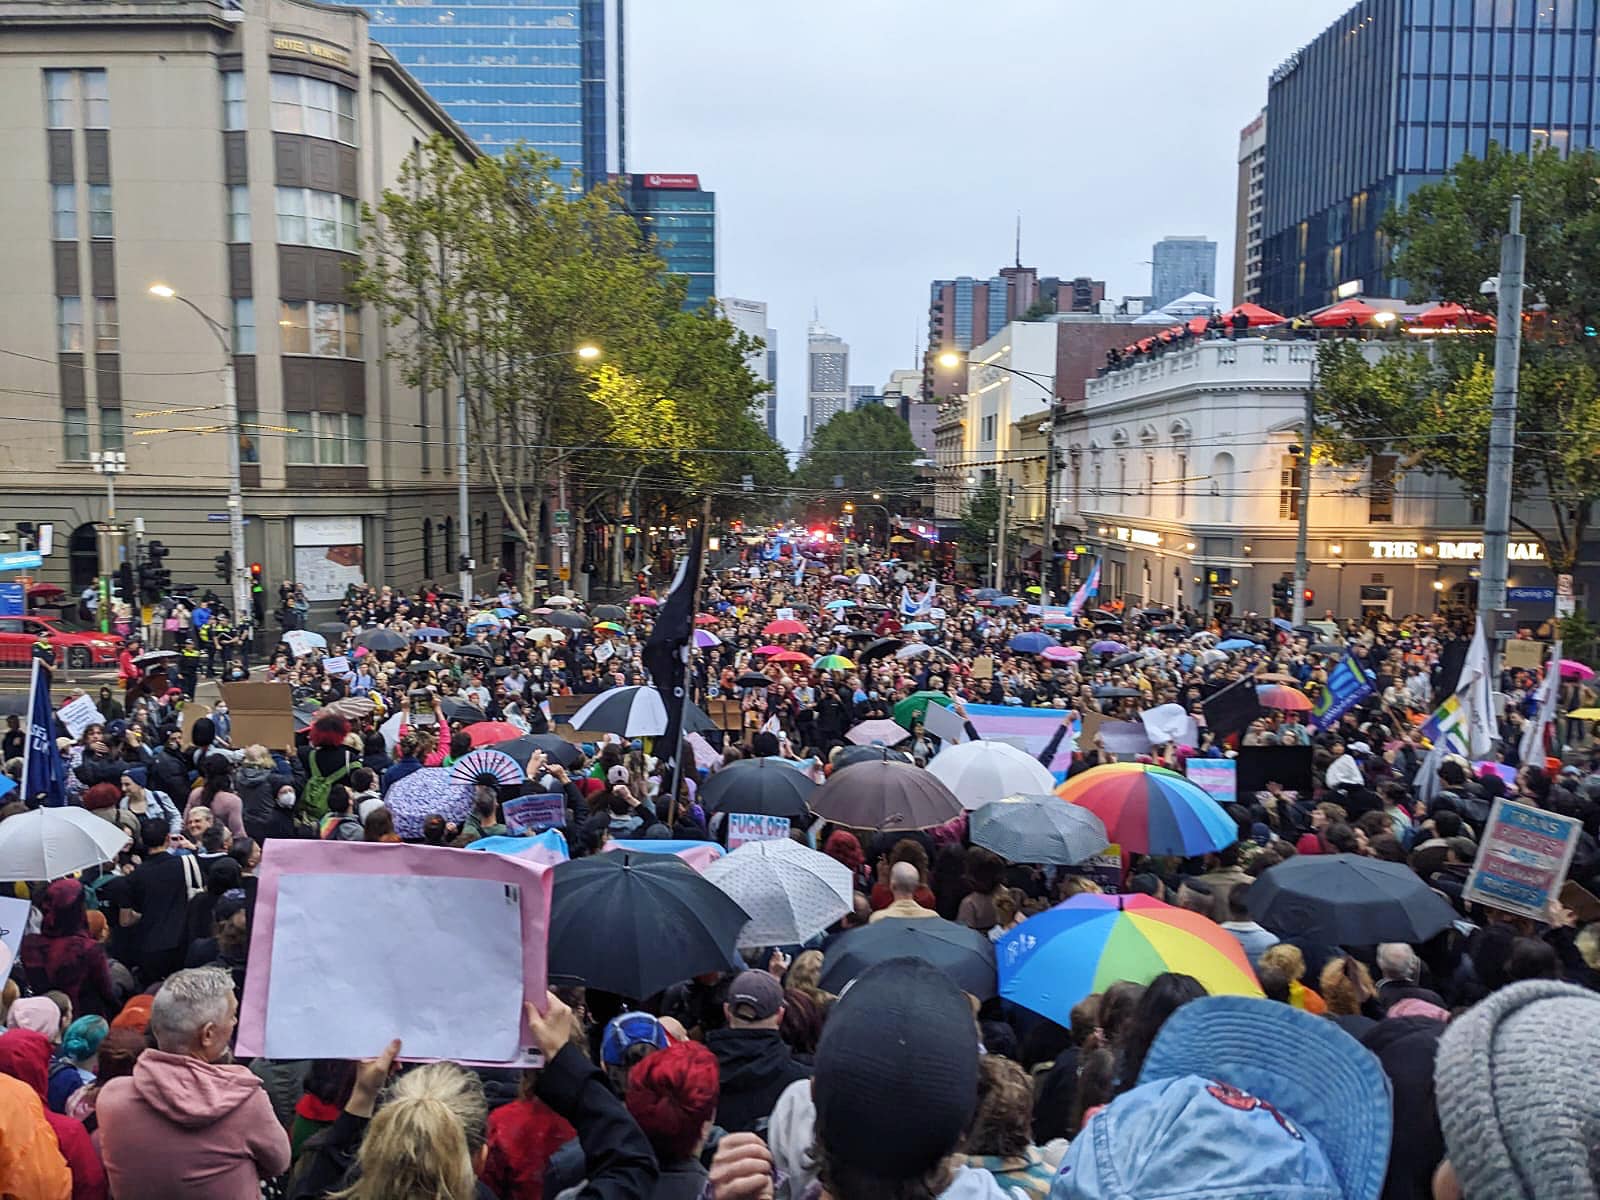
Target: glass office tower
x=546, y=74
x=680, y=220
x=1388, y=99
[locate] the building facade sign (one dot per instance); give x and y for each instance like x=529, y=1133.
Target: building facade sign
x=1453, y=551
x=1139, y=537
x=283, y=44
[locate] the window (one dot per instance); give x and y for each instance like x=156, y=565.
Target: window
x=69, y=324
x=244, y=325
x=105, y=326
x=1380, y=502
x=300, y=447
x=1183, y=483
x=249, y=449
x=99, y=210
x=427, y=548
x=238, y=213
x=326, y=439
x=233, y=100
x=313, y=107
x=58, y=99
x=1289, y=488
x=75, y=434
x=111, y=429
x=312, y=218
x=63, y=212
x=326, y=330
x=96, y=103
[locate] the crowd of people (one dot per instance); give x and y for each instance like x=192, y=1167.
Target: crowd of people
x=1461, y=1066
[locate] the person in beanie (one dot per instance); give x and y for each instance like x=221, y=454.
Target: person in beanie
x=752, y=1058
x=1515, y=1084
x=672, y=1094
x=896, y=1088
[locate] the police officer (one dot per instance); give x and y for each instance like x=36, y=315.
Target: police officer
x=188, y=666
x=44, y=651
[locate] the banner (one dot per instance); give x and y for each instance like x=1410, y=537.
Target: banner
x=1531, y=748
x=1036, y=726
x=1348, y=685
x=1218, y=777
x=44, y=771
x=751, y=827
x=1523, y=858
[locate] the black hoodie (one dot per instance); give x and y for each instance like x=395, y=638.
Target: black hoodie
x=1406, y=1046
x=754, y=1066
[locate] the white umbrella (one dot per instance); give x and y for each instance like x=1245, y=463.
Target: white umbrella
x=982, y=772
x=546, y=634
x=49, y=843
x=559, y=601
x=864, y=581
x=628, y=712
x=790, y=891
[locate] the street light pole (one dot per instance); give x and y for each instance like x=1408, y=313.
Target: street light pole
x=464, y=563
x=1302, y=548
x=109, y=463
x=240, y=580
x=1502, y=431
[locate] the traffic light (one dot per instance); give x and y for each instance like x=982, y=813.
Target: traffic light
x=125, y=583
x=1308, y=595
x=255, y=578
x=223, y=564
x=155, y=580
x=1280, y=593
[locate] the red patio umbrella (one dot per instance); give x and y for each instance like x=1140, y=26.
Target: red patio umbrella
x=1341, y=313
x=1255, y=314
x=487, y=733
x=1146, y=343
x=1442, y=316
x=1198, y=325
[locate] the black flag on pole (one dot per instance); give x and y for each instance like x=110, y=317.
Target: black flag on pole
x=666, y=651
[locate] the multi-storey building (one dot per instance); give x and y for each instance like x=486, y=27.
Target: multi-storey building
x=679, y=219
x=1252, y=196
x=749, y=317
x=1180, y=265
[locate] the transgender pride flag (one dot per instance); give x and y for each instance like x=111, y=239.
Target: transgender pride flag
x=1028, y=729
x=1091, y=587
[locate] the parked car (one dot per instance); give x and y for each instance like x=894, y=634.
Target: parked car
x=80, y=651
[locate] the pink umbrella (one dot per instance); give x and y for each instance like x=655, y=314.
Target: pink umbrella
x=1573, y=669
x=767, y=650
x=1062, y=653
x=647, y=600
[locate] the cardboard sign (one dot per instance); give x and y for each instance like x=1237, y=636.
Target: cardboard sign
x=944, y=724
x=77, y=715
x=1219, y=777
x=529, y=813
x=261, y=712
x=748, y=827
x=13, y=923
x=192, y=712
x=1523, y=655
x=1523, y=858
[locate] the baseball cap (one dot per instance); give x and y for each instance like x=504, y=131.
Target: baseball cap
x=630, y=1029
x=617, y=774
x=754, y=995
x=1240, y=1097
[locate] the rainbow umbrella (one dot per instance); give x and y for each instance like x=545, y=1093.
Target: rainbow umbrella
x=611, y=625
x=1287, y=699
x=1151, y=810
x=1053, y=960
x=834, y=662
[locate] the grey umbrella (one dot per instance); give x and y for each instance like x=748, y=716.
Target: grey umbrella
x=885, y=795
x=608, y=612
x=562, y=619
x=381, y=640
x=474, y=650
x=1038, y=829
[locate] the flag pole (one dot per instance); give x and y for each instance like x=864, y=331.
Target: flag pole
x=27, y=742
x=688, y=655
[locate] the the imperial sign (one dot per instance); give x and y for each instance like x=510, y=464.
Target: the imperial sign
x=1454, y=551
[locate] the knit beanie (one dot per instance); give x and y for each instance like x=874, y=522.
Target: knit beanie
x=1516, y=1093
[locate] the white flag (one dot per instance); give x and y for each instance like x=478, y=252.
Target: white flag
x=1531, y=748
x=1473, y=690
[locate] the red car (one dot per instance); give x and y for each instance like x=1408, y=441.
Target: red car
x=80, y=651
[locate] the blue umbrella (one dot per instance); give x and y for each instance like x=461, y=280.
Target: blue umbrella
x=421, y=794
x=1031, y=643
x=1005, y=602
x=918, y=627
x=428, y=633
x=837, y=604
x=987, y=594
x=505, y=612
x=1236, y=644
x=1280, y=623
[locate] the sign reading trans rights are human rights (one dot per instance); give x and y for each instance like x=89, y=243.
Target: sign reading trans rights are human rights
x=1523, y=858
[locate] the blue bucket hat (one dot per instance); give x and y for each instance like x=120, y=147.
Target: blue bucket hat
x=1240, y=1097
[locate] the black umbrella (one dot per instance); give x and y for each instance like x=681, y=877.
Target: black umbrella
x=303, y=716
x=421, y=666
x=1104, y=614
x=852, y=755
x=555, y=748
x=753, y=679
x=460, y=710
x=333, y=629
x=1347, y=900
x=878, y=649
x=151, y=657
x=562, y=619
x=885, y=795
x=636, y=923
x=474, y=650
x=1108, y=624
x=1038, y=829
x=1123, y=660
x=1116, y=693
x=1171, y=629
x=609, y=612
x=963, y=954
x=1308, y=632
x=759, y=786
x=381, y=640
x=856, y=635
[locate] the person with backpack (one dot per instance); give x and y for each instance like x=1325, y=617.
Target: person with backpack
x=327, y=761
x=340, y=824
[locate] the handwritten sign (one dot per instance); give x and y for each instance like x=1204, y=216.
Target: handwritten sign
x=339, y=666
x=77, y=715
x=1523, y=858
x=749, y=827
x=528, y=813
x=1218, y=777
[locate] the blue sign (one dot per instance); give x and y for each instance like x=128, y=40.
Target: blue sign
x=20, y=560
x=11, y=600
x=1348, y=684
x=1547, y=595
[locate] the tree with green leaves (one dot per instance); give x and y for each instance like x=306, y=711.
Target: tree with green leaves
x=867, y=450
x=980, y=519
x=1430, y=405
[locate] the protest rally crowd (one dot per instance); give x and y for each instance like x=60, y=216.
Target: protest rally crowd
x=953, y=895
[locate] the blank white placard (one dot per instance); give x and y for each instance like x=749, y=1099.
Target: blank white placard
x=360, y=959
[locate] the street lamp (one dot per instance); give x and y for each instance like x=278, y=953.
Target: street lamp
x=951, y=359
x=230, y=415
x=109, y=463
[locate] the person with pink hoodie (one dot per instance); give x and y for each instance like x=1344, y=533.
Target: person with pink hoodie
x=185, y=1123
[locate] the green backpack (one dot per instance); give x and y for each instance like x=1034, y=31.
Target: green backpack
x=319, y=785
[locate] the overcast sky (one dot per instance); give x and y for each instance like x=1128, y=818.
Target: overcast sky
x=861, y=148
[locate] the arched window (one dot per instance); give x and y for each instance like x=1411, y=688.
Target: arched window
x=448, y=550
x=1222, y=487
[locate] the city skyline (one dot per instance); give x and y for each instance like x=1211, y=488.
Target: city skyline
x=863, y=247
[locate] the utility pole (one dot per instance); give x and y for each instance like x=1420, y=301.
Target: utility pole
x=464, y=563
x=1000, y=547
x=1502, y=432
x=1047, y=558
x=1302, y=551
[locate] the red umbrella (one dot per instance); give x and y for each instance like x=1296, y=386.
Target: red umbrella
x=1341, y=313
x=1443, y=316
x=705, y=619
x=1255, y=314
x=1198, y=325
x=1146, y=343
x=791, y=656
x=781, y=628
x=487, y=733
